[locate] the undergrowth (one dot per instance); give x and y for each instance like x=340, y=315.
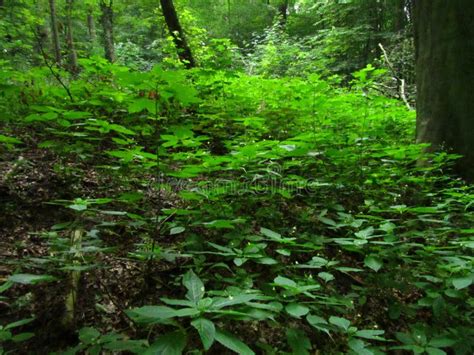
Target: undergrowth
x=199, y=211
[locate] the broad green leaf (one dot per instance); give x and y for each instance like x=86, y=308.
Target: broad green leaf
x=194, y=286
x=220, y=224
x=221, y=302
x=19, y=323
x=298, y=341
x=462, y=282
x=340, y=322
x=373, y=262
x=77, y=207
x=441, y=342
x=151, y=314
x=284, y=282
x=233, y=343
x=30, y=279
x=359, y=347
x=168, y=344
x=270, y=234
x=370, y=334
x=326, y=276
x=88, y=334
x=22, y=337
x=177, y=230
x=206, y=330
x=296, y=310
x=435, y=351
x=9, y=140
x=134, y=346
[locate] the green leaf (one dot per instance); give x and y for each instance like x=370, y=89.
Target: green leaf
x=134, y=346
x=370, y=334
x=296, y=310
x=19, y=323
x=206, y=330
x=441, y=342
x=373, y=262
x=359, y=347
x=284, y=282
x=177, y=230
x=298, y=342
x=270, y=234
x=220, y=224
x=9, y=140
x=462, y=282
x=77, y=207
x=233, y=343
x=435, y=351
x=22, y=337
x=326, y=276
x=168, y=344
x=88, y=334
x=30, y=279
x=194, y=286
x=327, y=221
x=340, y=322
x=151, y=314
x=221, y=302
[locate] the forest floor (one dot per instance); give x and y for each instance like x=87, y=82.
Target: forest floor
x=294, y=221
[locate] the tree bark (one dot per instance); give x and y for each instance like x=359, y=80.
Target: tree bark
x=176, y=31
x=283, y=12
x=400, y=16
x=55, y=32
x=445, y=72
x=90, y=25
x=72, y=54
x=107, y=20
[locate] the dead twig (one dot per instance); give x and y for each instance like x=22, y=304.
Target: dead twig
x=394, y=74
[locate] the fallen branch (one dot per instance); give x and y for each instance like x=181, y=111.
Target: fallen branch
x=394, y=74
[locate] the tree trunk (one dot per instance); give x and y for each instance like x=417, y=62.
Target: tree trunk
x=445, y=72
x=90, y=25
x=176, y=31
x=283, y=12
x=72, y=54
x=55, y=32
x=107, y=20
x=400, y=16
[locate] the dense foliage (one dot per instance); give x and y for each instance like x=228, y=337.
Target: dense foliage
x=254, y=204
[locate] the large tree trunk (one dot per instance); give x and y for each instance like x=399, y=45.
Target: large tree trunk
x=176, y=31
x=107, y=20
x=72, y=54
x=55, y=32
x=444, y=43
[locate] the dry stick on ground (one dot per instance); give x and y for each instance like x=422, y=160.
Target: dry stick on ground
x=394, y=73
x=51, y=67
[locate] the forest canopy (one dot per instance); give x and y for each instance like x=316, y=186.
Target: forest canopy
x=236, y=176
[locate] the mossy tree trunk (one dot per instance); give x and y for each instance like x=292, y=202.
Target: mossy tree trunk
x=176, y=31
x=55, y=32
x=72, y=54
x=107, y=20
x=90, y=25
x=444, y=40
